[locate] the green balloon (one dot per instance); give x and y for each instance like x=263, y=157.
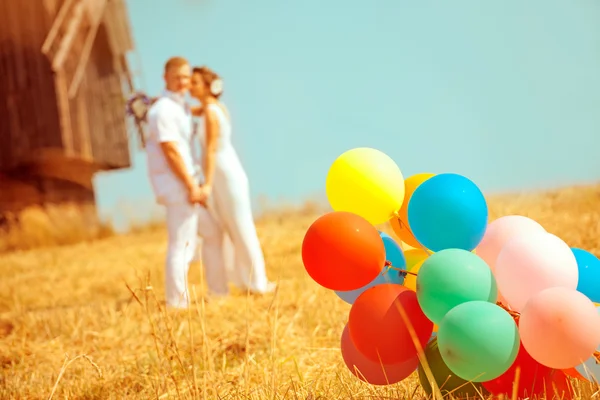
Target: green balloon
x=451, y=277
x=478, y=341
x=444, y=378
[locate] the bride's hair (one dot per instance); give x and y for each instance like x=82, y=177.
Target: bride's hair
x=211, y=79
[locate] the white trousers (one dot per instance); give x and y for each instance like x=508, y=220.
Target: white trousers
x=182, y=225
x=220, y=261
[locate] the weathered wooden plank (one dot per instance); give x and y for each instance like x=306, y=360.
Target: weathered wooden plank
x=62, y=100
x=87, y=48
x=71, y=32
x=58, y=22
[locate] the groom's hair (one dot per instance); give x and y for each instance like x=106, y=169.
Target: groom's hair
x=175, y=62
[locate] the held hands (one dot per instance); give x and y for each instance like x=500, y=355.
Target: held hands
x=199, y=194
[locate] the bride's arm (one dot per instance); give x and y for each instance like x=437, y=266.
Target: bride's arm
x=197, y=111
x=212, y=138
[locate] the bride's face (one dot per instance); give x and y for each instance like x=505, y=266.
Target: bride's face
x=198, y=88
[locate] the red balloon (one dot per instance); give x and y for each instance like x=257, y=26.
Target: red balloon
x=373, y=372
x=342, y=251
x=378, y=323
x=560, y=387
x=535, y=379
x=573, y=373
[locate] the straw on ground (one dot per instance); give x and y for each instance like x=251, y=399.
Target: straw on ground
x=86, y=320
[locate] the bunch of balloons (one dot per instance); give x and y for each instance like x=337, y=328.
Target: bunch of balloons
x=474, y=306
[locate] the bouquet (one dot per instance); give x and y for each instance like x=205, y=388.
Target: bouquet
x=138, y=105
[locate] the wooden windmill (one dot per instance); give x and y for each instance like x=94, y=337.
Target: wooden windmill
x=64, y=77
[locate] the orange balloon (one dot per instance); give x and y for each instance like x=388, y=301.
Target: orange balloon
x=378, y=323
x=342, y=251
x=373, y=372
x=400, y=226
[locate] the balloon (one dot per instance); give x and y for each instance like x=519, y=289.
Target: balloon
x=400, y=225
x=451, y=277
x=560, y=327
x=366, y=182
x=377, y=326
x=535, y=379
x=342, y=251
x=448, y=211
x=393, y=253
x=529, y=264
x=411, y=280
x=590, y=369
x=501, y=231
x=444, y=378
x=478, y=340
x=589, y=273
x=414, y=257
x=373, y=372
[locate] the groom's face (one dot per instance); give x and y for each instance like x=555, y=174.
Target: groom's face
x=177, y=78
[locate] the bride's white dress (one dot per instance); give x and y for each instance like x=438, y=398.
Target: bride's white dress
x=230, y=244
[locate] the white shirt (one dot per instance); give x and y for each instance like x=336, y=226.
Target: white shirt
x=170, y=120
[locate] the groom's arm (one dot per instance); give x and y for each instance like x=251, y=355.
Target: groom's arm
x=167, y=136
x=176, y=163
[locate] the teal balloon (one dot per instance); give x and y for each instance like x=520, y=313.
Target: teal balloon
x=452, y=277
x=589, y=274
x=444, y=378
x=478, y=341
x=448, y=211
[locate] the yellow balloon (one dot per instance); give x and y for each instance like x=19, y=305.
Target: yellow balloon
x=366, y=182
x=413, y=257
x=411, y=280
x=405, y=246
x=435, y=328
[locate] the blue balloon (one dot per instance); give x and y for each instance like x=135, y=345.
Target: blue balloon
x=589, y=274
x=393, y=254
x=448, y=211
x=590, y=369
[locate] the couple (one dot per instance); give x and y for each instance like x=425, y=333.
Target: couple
x=219, y=208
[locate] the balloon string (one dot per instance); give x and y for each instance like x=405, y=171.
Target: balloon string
x=403, y=272
x=515, y=314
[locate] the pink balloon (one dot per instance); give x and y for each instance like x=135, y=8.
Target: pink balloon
x=529, y=264
x=560, y=327
x=373, y=372
x=500, y=231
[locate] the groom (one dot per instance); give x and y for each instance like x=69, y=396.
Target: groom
x=174, y=175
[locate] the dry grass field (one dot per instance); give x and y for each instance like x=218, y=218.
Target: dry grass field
x=84, y=319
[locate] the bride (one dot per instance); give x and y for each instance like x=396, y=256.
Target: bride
x=227, y=192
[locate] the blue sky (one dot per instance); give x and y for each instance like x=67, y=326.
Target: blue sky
x=505, y=92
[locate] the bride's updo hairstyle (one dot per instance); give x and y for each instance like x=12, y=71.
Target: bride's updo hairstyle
x=211, y=80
